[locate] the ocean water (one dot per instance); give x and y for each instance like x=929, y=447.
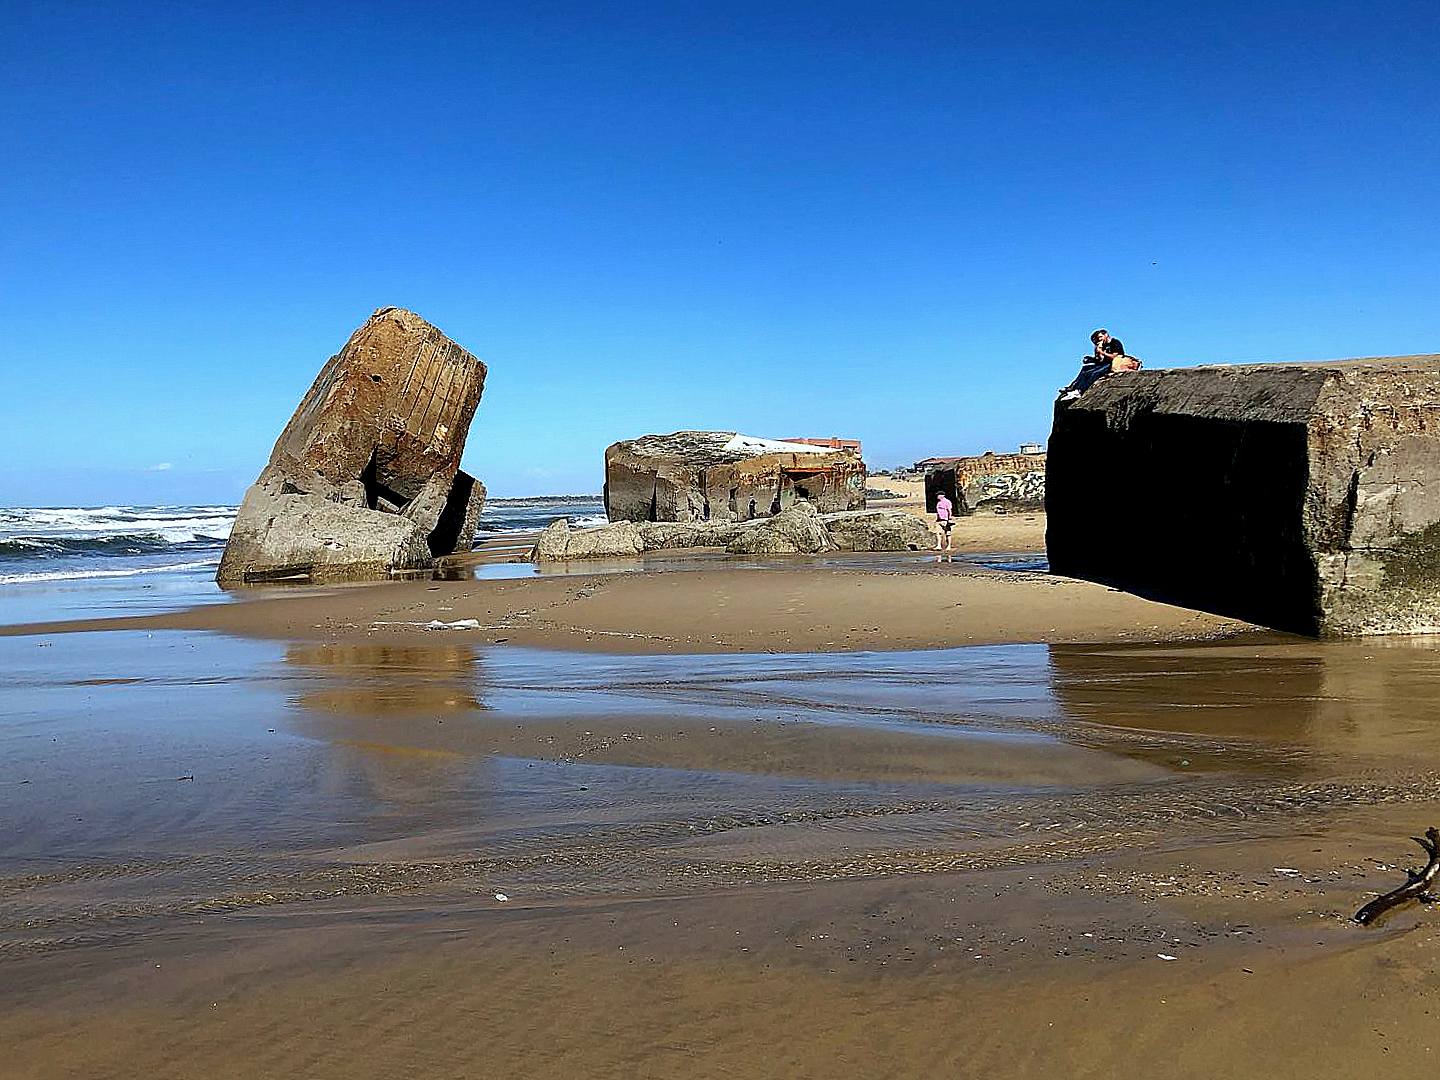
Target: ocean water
x=80, y=561
x=66, y=543
x=529, y=515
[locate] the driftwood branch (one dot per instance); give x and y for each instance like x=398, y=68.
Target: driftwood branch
x=1417, y=888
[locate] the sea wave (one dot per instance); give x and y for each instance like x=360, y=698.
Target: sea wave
x=52, y=547
x=78, y=574
x=542, y=500
x=536, y=523
x=32, y=527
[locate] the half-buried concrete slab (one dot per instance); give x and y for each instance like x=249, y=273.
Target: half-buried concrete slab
x=1304, y=497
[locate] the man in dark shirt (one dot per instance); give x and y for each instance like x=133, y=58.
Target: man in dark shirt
x=1109, y=355
x=1106, y=347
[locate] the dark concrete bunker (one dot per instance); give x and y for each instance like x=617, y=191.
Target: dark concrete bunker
x=1304, y=497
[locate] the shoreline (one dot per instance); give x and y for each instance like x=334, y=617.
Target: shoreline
x=705, y=610
x=704, y=602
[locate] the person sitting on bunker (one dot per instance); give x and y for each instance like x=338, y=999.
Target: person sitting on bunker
x=1108, y=356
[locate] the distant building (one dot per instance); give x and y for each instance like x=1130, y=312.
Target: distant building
x=831, y=443
x=1031, y=448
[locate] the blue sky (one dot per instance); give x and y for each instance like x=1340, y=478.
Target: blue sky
x=894, y=221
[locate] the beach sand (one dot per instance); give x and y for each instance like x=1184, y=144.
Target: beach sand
x=710, y=610
x=703, y=603
x=790, y=821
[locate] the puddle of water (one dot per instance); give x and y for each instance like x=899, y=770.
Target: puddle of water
x=1019, y=562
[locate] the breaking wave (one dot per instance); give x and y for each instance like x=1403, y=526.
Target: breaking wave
x=502, y=516
x=48, y=547
x=74, y=543
x=48, y=530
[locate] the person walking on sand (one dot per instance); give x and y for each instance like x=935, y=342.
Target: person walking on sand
x=944, y=519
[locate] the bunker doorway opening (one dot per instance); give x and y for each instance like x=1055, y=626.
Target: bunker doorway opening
x=378, y=495
x=809, y=484
x=445, y=537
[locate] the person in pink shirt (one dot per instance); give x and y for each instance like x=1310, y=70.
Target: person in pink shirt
x=944, y=511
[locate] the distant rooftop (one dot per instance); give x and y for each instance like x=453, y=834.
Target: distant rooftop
x=1026, y=449
x=832, y=443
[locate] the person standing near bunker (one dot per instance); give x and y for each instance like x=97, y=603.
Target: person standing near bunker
x=944, y=519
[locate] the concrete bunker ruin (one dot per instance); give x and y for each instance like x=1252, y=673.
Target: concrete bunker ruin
x=1304, y=497
x=365, y=479
x=724, y=476
x=988, y=481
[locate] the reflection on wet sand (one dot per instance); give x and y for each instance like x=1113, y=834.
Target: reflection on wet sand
x=337, y=769
x=376, y=706
x=1342, y=705
x=389, y=680
x=824, y=829
x=1016, y=717
x=824, y=718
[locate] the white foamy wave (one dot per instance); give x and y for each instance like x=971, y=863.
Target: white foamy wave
x=78, y=575
x=172, y=524
x=584, y=521
x=33, y=542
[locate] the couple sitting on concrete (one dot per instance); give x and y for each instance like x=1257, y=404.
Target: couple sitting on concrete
x=1109, y=356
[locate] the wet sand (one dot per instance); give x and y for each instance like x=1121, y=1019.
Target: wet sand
x=246, y=857
x=707, y=602
x=873, y=980
x=692, y=606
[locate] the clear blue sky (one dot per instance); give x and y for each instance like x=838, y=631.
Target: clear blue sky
x=892, y=221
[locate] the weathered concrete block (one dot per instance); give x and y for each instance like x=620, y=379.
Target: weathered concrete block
x=560, y=543
x=698, y=476
x=318, y=540
x=454, y=530
x=797, y=530
x=1304, y=497
x=878, y=530
x=659, y=535
x=370, y=460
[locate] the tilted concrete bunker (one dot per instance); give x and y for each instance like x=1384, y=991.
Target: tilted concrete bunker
x=1304, y=497
x=365, y=479
x=725, y=476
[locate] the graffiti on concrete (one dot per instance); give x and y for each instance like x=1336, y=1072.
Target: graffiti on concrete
x=995, y=482
x=1025, y=487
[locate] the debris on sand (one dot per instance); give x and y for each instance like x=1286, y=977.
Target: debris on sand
x=1418, y=887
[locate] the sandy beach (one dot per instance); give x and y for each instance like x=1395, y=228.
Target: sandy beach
x=705, y=603
x=708, y=610
x=875, y=816
x=468, y=607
